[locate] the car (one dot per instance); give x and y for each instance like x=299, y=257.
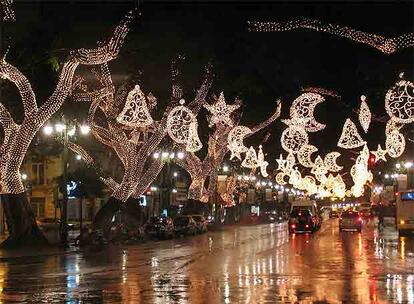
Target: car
x=160, y=226
x=49, y=224
x=185, y=225
x=333, y=214
x=271, y=217
x=366, y=213
x=201, y=223
x=350, y=220
x=301, y=220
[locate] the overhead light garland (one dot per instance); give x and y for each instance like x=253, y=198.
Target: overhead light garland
x=350, y=137
x=381, y=43
x=364, y=114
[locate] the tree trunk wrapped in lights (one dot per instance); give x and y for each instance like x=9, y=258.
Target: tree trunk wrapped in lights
x=20, y=218
x=127, y=127
x=204, y=172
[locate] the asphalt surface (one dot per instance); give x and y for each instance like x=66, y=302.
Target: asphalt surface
x=241, y=264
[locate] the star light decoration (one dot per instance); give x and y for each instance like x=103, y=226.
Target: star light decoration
x=135, y=113
x=381, y=43
x=350, y=137
x=235, y=141
x=380, y=154
x=220, y=111
x=364, y=114
x=399, y=102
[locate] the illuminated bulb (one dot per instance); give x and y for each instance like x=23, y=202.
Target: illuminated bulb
x=48, y=130
x=398, y=166
x=60, y=127
x=156, y=155
x=72, y=131
x=270, y=184
x=164, y=154
x=253, y=178
x=263, y=183
x=85, y=129
x=180, y=155
x=153, y=188
x=387, y=176
x=408, y=165
x=225, y=168
x=246, y=178
x=175, y=174
x=78, y=157
x=174, y=191
x=172, y=155
x=24, y=176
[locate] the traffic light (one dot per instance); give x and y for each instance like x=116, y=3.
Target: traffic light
x=371, y=161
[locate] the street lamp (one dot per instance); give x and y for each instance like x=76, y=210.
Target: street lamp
x=64, y=130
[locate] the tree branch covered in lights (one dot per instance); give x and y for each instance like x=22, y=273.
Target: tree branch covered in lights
x=121, y=120
x=381, y=43
x=204, y=171
x=17, y=137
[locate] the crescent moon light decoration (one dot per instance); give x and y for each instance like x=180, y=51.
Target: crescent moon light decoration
x=302, y=109
x=304, y=155
x=235, y=141
x=293, y=138
x=280, y=178
x=330, y=162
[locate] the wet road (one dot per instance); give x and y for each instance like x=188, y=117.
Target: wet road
x=247, y=264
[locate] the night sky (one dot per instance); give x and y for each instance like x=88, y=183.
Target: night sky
x=257, y=67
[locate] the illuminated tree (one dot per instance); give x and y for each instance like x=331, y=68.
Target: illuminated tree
x=20, y=218
x=204, y=171
x=121, y=120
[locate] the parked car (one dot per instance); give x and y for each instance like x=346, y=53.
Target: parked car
x=350, y=220
x=333, y=214
x=271, y=217
x=201, y=223
x=302, y=220
x=160, y=226
x=185, y=225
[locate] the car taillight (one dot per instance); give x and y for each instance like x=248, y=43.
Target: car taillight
x=360, y=219
x=293, y=226
x=307, y=226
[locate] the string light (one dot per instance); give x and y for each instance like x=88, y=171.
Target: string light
x=381, y=43
x=399, y=102
x=7, y=11
x=350, y=137
x=364, y=114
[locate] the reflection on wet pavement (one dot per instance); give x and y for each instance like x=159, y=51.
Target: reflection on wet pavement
x=246, y=264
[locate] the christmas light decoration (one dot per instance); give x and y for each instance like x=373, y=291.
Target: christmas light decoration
x=193, y=143
x=293, y=138
x=250, y=161
x=220, y=111
x=330, y=162
x=262, y=163
x=235, y=141
x=280, y=178
x=380, y=154
x=350, y=137
x=135, y=113
x=395, y=144
x=392, y=125
x=381, y=43
x=302, y=109
x=7, y=11
x=17, y=138
x=319, y=169
x=364, y=114
x=178, y=123
x=399, y=102
x=304, y=155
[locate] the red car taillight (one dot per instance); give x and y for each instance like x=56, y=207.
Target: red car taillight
x=360, y=219
x=293, y=226
x=307, y=226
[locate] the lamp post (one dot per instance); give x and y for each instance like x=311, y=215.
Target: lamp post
x=167, y=179
x=63, y=131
